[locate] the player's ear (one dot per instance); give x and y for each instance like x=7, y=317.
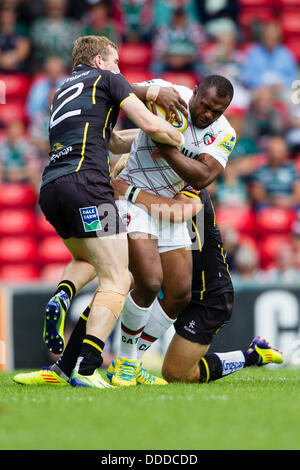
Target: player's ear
x=97, y=61
x=196, y=89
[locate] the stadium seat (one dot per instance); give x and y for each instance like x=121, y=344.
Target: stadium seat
x=18, y=250
x=288, y=4
x=12, y=111
x=16, y=86
x=44, y=227
x=275, y=220
x=17, y=195
x=135, y=56
x=250, y=16
x=240, y=219
x=290, y=21
x=248, y=240
x=52, y=272
x=136, y=77
x=270, y=246
x=52, y=250
x=17, y=222
x=245, y=4
x=181, y=78
x=19, y=273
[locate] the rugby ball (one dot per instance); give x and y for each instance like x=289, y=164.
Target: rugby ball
x=161, y=113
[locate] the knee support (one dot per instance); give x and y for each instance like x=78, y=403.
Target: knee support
x=112, y=300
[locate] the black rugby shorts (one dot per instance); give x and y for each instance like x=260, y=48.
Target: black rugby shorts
x=201, y=320
x=80, y=205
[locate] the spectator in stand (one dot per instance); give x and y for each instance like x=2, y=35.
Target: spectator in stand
x=163, y=11
x=245, y=148
x=215, y=14
x=263, y=118
x=14, y=46
x=223, y=57
x=53, y=74
x=18, y=158
x=296, y=241
x=176, y=47
x=245, y=270
x=286, y=271
x=134, y=18
x=269, y=62
x=54, y=34
x=293, y=133
x=97, y=21
x=231, y=191
x=277, y=183
x=38, y=130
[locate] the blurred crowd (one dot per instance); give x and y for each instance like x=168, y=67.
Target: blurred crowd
x=253, y=43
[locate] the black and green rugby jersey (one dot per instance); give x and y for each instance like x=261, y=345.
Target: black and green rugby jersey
x=211, y=275
x=84, y=112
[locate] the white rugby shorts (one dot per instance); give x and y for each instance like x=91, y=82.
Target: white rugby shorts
x=170, y=236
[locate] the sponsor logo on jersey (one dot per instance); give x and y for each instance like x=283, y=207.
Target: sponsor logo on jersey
x=57, y=152
x=209, y=139
x=228, y=143
x=90, y=218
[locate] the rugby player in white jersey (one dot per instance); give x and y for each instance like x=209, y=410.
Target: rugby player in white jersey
x=209, y=140
x=158, y=252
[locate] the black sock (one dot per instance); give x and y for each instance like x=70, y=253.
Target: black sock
x=68, y=287
x=67, y=361
x=210, y=368
x=251, y=359
x=90, y=357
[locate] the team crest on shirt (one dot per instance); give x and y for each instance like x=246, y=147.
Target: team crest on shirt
x=90, y=218
x=228, y=143
x=209, y=138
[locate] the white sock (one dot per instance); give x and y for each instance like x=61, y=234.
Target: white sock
x=159, y=322
x=133, y=321
x=231, y=361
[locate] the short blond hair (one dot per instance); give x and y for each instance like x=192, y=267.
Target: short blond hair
x=87, y=47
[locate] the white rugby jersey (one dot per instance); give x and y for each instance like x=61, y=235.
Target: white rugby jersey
x=154, y=174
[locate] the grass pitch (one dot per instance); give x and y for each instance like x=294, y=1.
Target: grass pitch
x=255, y=409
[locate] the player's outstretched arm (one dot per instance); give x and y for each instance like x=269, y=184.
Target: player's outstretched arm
x=198, y=173
x=176, y=210
x=158, y=129
x=120, y=141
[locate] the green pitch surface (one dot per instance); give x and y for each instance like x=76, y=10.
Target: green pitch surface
x=255, y=409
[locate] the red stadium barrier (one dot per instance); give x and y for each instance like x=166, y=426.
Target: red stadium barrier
x=16, y=86
x=18, y=250
x=17, y=195
x=269, y=248
x=44, y=227
x=52, y=250
x=240, y=219
x=135, y=56
x=52, y=273
x=17, y=222
x=275, y=220
x=290, y=21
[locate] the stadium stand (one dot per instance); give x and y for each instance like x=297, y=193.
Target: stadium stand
x=30, y=250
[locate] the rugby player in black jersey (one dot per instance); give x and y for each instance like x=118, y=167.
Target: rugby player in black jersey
x=77, y=199
x=187, y=358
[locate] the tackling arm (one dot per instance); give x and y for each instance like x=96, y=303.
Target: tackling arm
x=198, y=173
x=120, y=141
x=176, y=210
x=157, y=128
